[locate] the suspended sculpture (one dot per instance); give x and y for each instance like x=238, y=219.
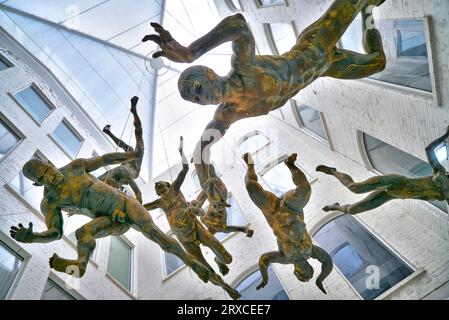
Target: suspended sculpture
x=393, y=186
x=73, y=189
x=259, y=84
x=216, y=216
x=189, y=231
x=286, y=217
x=129, y=170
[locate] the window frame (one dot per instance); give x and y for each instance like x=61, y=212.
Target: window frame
x=74, y=131
x=284, y=3
x=133, y=286
x=366, y=160
x=53, y=277
x=255, y=268
x=295, y=106
x=270, y=37
x=6, y=62
x=416, y=271
x=15, y=131
x=41, y=94
x=166, y=277
x=230, y=5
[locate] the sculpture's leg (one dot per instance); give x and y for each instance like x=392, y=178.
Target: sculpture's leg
x=228, y=229
x=298, y=197
x=222, y=256
x=373, y=200
x=139, y=217
x=120, y=143
x=327, y=30
x=195, y=251
x=86, y=235
x=138, y=132
x=326, y=265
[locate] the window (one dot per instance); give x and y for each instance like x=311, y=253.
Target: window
x=272, y=291
x=282, y=36
x=253, y=142
x=54, y=292
x=405, y=46
x=4, y=64
x=8, y=139
x=119, y=263
x=389, y=160
x=234, y=5
x=356, y=252
x=67, y=139
x=311, y=119
x=171, y=262
x=235, y=217
x=10, y=264
x=267, y=3
x=24, y=187
x=279, y=179
x=33, y=103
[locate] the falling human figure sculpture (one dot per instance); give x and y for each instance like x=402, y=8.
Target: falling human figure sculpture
x=216, y=216
x=129, y=170
x=285, y=216
x=189, y=231
x=258, y=84
x=73, y=189
x=393, y=186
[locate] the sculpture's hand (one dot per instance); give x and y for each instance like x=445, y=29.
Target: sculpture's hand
x=171, y=49
x=21, y=233
x=262, y=284
x=181, y=144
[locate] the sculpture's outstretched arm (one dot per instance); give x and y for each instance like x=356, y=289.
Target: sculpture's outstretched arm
x=185, y=167
x=233, y=28
x=153, y=205
x=264, y=263
x=136, y=190
x=107, y=159
x=432, y=157
x=53, y=220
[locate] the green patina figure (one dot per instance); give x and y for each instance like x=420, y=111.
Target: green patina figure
x=216, y=216
x=285, y=216
x=187, y=228
x=393, y=186
x=73, y=189
x=258, y=84
x=129, y=170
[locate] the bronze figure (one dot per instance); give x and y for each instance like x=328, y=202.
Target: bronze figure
x=393, y=186
x=72, y=189
x=189, y=231
x=216, y=216
x=129, y=170
x=258, y=84
x=286, y=217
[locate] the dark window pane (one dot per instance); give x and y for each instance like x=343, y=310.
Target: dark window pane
x=8, y=139
x=67, y=139
x=33, y=103
x=119, y=263
x=390, y=160
x=172, y=263
x=356, y=252
x=311, y=120
x=272, y=291
x=3, y=64
x=54, y=292
x=10, y=264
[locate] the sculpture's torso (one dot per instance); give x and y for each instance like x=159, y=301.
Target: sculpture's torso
x=425, y=188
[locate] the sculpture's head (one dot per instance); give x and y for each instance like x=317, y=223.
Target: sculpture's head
x=200, y=85
x=161, y=187
x=303, y=274
x=42, y=173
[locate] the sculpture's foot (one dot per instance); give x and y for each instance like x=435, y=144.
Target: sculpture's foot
x=234, y=294
x=201, y=270
x=107, y=128
x=72, y=267
x=332, y=207
x=217, y=280
x=290, y=161
x=248, y=158
x=249, y=233
x=224, y=270
x=325, y=169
